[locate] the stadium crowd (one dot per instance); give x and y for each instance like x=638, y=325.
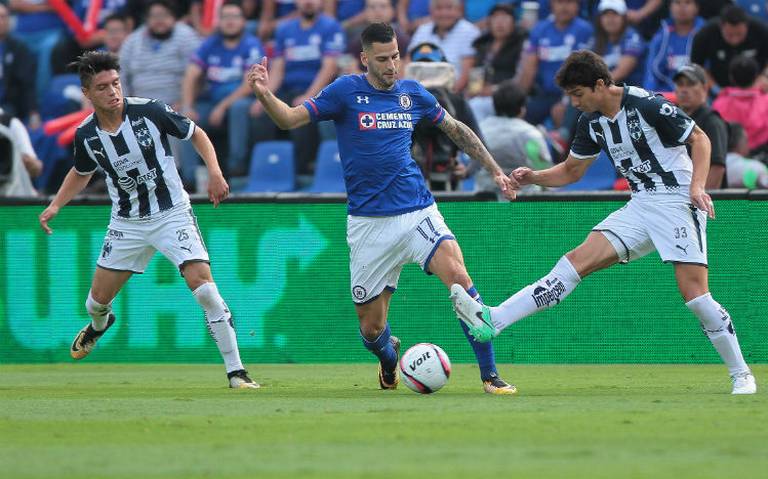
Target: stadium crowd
x=490, y=63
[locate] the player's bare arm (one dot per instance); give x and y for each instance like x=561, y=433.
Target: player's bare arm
x=467, y=140
x=218, y=189
x=73, y=184
x=700, y=154
x=284, y=116
x=565, y=173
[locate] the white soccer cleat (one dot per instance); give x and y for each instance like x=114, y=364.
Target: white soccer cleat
x=475, y=315
x=240, y=380
x=744, y=384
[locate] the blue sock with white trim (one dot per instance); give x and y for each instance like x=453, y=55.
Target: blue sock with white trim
x=382, y=348
x=486, y=360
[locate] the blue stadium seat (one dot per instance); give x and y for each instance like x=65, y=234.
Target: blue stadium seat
x=272, y=167
x=329, y=176
x=600, y=175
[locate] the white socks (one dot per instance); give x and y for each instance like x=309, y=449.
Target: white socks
x=220, y=326
x=98, y=312
x=718, y=327
x=544, y=293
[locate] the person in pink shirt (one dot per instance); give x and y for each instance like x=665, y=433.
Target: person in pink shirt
x=744, y=103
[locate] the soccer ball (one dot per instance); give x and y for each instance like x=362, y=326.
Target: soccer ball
x=425, y=368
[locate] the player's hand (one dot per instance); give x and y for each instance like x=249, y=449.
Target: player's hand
x=258, y=78
x=46, y=216
x=523, y=175
x=507, y=186
x=218, y=189
x=702, y=201
x=216, y=118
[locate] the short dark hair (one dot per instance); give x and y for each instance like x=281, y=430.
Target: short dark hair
x=743, y=71
x=508, y=99
x=232, y=3
x=169, y=5
x=92, y=63
x=733, y=15
x=377, y=33
x=582, y=68
x=115, y=17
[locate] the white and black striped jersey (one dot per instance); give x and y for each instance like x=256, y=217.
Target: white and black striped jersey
x=141, y=172
x=645, y=140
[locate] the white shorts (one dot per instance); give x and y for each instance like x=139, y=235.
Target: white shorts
x=380, y=246
x=129, y=245
x=671, y=225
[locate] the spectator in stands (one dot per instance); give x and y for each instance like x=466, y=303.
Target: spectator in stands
x=744, y=103
x=274, y=13
x=478, y=11
x=376, y=11
x=432, y=149
x=549, y=44
x=39, y=27
x=155, y=56
x=18, y=161
x=453, y=34
x=671, y=46
x=68, y=48
x=743, y=172
x=350, y=13
x=721, y=40
x=411, y=14
x=642, y=15
x=305, y=56
x=214, y=93
x=691, y=91
x=117, y=27
x=17, y=72
x=498, y=51
x=137, y=10
x=512, y=141
x=622, y=48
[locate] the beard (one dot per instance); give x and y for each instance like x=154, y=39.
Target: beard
x=230, y=37
x=161, y=35
x=309, y=16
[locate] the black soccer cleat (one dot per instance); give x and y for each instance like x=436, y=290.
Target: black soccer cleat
x=390, y=379
x=86, y=339
x=240, y=380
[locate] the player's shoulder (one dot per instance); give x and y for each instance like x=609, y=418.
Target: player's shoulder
x=349, y=82
x=86, y=128
x=140, y=106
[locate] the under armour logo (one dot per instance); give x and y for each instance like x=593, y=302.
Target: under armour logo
x=363, y=99
x=684, y=250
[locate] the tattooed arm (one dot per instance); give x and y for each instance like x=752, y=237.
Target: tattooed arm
x=467, y=140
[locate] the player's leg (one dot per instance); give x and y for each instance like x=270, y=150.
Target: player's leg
x=104, y=287
x=125, y=251
x=179, y=239
x=378, y=339
x=447, y=263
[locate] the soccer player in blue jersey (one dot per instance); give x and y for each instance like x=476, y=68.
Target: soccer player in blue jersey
x=392, y=218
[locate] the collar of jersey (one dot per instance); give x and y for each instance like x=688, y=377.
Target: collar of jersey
x=125, y=113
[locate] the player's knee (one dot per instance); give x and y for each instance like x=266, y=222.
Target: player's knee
x=372, y=324
x=96, y=305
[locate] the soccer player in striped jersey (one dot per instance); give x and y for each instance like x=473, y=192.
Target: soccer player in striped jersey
x=645, y=136
x=128, y=139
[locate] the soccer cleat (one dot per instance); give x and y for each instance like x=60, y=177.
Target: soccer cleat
x=476, y=316
x=390, y=379
x=239, y=380
x=86, y=339
x=744, y=384
x=495, y=385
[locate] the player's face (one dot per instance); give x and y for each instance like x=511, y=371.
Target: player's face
x=585, y=98
x=383, y=62
x=690, y=94
x=105, y=91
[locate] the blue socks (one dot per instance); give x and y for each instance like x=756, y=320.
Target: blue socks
x=483, y=351
x=382, y=348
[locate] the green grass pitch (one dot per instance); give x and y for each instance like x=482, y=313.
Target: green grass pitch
x=312, y=421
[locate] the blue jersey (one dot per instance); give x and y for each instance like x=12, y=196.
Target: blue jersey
x=374, y=129
x=552, y=46
x=630, y=44
x=668, y=52
x=418, y=9
x=348, y=8
x=304, y=50
x=224, y=67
